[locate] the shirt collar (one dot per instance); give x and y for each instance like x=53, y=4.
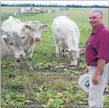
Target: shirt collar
x=94, y=31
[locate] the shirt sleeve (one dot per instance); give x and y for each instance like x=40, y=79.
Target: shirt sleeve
x=103, y=49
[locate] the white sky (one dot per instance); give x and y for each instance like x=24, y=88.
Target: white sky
x=80, y=2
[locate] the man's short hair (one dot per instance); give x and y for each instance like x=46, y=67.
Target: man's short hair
x=99, y=10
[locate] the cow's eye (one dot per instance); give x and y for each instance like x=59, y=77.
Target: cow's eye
x=26, y=26
x=11, y=43
x=29, y=27
x=23, y=37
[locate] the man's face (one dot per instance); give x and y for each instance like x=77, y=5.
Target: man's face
x=95, y=19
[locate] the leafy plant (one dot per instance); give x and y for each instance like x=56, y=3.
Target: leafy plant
x=54, y=103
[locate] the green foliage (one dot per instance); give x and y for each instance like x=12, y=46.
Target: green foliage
x=106, y=101
x=12, y=99
x=68, y=96
x=41, y=97
x=54, y=103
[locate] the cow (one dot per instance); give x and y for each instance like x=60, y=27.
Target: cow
x=20, y=12
x=29, y=31
x=11, y=45
x=28, y=9
x=39, y=10
x=66, y=36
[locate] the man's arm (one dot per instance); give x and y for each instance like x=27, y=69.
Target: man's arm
x=99, y=70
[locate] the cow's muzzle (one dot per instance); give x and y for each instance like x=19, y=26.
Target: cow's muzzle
x=37, y=39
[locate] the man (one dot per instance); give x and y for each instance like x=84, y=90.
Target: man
x=97, y=58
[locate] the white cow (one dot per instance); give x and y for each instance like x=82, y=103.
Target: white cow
x=38, y=9
x=29, y=31
x=20, y=12
x=66, y=34
x=28, y=9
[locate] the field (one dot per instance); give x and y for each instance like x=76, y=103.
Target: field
x=53, y=84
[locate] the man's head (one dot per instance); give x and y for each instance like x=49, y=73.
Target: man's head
x=95, y=17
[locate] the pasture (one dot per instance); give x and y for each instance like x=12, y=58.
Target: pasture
x=53, y=84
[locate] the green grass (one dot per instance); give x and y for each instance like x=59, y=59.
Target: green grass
x=49, y=88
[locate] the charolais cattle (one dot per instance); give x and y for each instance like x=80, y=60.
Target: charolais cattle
x=66, y=36
x=29, y=31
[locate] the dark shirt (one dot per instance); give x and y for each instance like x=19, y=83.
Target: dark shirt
x=97, y=46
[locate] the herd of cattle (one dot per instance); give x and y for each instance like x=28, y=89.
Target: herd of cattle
x=22, y=11
x=18, y=39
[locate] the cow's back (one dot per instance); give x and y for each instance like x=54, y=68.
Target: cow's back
x=12, y=24
x=64, y=28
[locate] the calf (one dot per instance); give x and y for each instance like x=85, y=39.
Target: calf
x=29, y=31
x=11, y=45
x=66, y=34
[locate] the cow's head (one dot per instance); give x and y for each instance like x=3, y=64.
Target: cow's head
x=13, y=42
x=33, y=29
x=73, y=55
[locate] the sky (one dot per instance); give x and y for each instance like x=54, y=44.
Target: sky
x=79, y=2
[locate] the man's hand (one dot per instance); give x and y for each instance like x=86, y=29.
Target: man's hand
x=96, y=79
x=86, y=70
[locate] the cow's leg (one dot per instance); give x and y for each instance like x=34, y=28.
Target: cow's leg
x=30, y=58
x=69, y=49
x=57, y=48
x=63, y=50
x=30, y=62
x=74, y=57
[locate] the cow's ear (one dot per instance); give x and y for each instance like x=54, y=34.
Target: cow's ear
x=4, y=39
x=44, y=26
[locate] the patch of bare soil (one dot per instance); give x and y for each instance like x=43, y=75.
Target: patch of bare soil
x=61, y=69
